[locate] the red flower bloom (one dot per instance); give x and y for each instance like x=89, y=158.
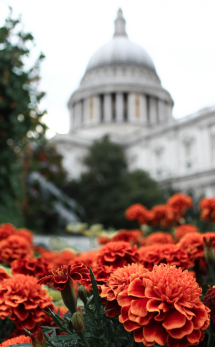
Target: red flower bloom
x=6, y=230
x=168, y=254
x=207, y=208
x=57, y=259
x=17, y=340
x=159, y=237
x=117, y=254
x=85, y=258
x=164, y=307
x=210, y=234
x=3, y=274
x=131, y=236
x=102, y=240
x=59, y=277
x=164, y=215
x=101, y=274
x=23, y=300
x=209, y=301
x=65, y=257
x=138, y=212
x=180, y=202
x=27, y=234
x=185, y=229
x=192, y=243
x=14, y=247
x=29, y=266
x=118, y=281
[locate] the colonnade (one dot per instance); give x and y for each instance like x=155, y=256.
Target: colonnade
x=120, y=107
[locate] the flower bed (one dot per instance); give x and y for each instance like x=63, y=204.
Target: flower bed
x=135, y=288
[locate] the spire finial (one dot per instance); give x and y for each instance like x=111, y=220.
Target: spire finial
x=120, y=24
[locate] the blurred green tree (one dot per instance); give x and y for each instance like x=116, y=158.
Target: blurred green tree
x=20, y=116
x=107, y=188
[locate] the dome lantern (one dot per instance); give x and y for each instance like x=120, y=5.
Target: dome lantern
x=120, y=24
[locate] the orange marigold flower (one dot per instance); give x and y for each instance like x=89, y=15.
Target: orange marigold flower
x=209, y=301
x=27, y=234
x=62, y=310
x=138, y=212
x=17, y=340
x=192, y=243
x=23, y=300
x=57, y=259
x=118, y=281
x=180, y=202
x=207, y=208
x=159, y=237
x=101, y=274
x=210, y=234
x=29, y=266
x=102, y=240
x=164, y=215
x=168, y=254
x=14, y=247
x=185, y=229
x=86, y=258
x=3, y=274
x=65, y=257
x=117, y=254
x=50, y=258
x=164, y=307
x=59, y=277
x=131, y=236
x=6, y=230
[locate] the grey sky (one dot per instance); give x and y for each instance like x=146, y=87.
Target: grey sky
x=179, y=35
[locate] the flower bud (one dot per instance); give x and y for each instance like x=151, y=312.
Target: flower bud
x=38, y=339
x=69, y=296
x=78, y=322
x=209, y=250
x=82, y=293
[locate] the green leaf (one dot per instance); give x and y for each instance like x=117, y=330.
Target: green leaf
x=97, y=298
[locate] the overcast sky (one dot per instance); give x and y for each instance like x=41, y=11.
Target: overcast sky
x=179, y=35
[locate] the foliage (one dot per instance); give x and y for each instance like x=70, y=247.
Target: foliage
x=100, y=330
x=47, y=209
x=107, y=187
x=20, y=117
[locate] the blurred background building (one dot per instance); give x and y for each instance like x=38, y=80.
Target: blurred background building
x=121, y=95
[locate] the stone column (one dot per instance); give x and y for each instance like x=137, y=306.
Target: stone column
x=143, y=110
x=71, y=118
x=131, y=107
x=78, y=110
x=161, y=111
x=86, y=111
x=96, y=110
x=169, y=112
x=152, y=110
x=107, y=108
x=119, y=107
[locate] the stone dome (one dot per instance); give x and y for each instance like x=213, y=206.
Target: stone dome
x=120, y=85
x=120, y=50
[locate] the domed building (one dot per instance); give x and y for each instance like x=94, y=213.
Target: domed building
x=121, y=95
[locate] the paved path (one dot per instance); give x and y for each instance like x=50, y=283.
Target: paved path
x=59, y=242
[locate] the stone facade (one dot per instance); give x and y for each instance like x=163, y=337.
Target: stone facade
x=121, y=95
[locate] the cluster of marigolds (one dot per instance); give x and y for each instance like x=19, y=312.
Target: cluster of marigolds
x=149, y=282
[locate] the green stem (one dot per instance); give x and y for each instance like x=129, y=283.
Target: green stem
x=212, y=274
x=211, y=338
x=83, y=337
